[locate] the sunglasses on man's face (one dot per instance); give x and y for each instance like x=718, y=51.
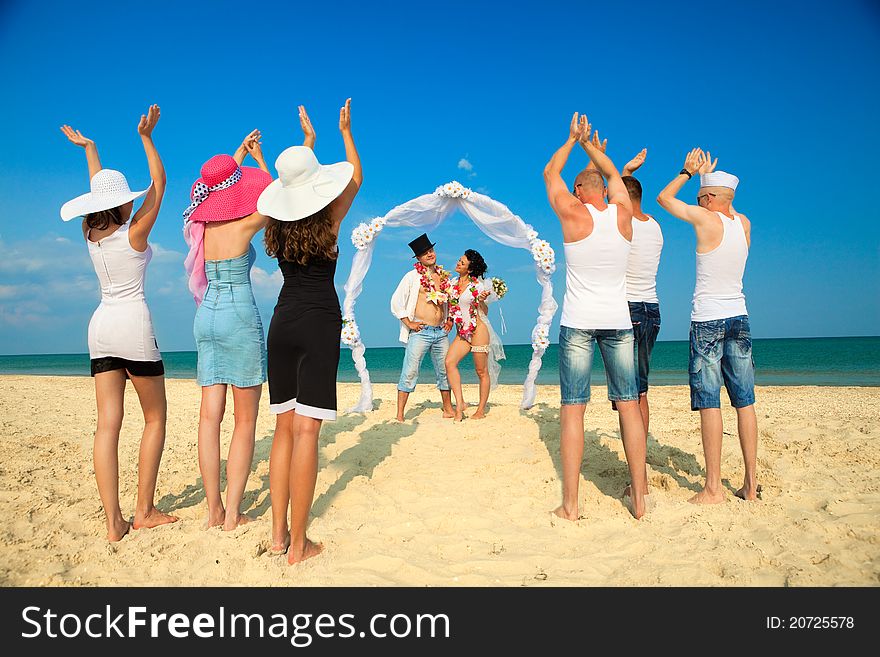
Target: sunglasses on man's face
x=706, y=195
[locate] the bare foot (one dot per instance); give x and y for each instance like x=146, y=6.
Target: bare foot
x=459, y=416
x=215, y=519
x=117, y=530
x=565, y=515
x=153, y=518
x=448, y=412
x=479, y=414
x=307, y=551
x=636, y=508
x=705, y=497
x=279, y=547
x=400, y=418
x=229, y=526
x=746, y=493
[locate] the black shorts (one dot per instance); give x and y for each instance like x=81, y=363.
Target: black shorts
x=134, y=367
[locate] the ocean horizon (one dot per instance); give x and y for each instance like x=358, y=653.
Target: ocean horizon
x=848, y=361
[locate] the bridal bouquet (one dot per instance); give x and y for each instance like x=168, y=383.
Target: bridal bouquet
x=499, y=286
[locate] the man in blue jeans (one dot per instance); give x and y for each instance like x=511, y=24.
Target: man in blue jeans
x=720, y=336
x=420, y=302
x=597, y=238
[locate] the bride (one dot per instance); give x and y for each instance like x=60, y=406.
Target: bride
x=468, y=296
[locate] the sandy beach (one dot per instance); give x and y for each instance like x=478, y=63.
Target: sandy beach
x=429, y=503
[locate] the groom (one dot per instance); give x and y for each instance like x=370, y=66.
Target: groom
x=420, y=303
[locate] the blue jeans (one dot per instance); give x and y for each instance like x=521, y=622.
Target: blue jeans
x=576, y=363
x=430, y=338
x=721, y=350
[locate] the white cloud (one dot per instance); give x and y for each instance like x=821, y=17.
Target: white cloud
x=169, y=255
x=464, y=164
x=266, y=285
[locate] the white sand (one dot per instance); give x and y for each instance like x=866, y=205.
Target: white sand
x=437, y=504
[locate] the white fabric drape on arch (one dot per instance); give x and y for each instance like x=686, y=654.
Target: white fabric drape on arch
x=427, y=212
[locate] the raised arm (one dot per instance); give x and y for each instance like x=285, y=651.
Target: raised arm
x=242, y=150
x=341, y=205
x=308, y=131
x=601, y=145
x=617, y=193
x=77, y=138
x=143, y=220
x=693, y=214
x=561, y=199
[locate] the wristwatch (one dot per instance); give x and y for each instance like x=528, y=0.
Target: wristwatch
x=687, y=173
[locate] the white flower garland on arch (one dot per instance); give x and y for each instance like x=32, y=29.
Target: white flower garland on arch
x=427, y=212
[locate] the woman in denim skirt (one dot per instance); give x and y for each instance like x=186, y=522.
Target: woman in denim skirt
x=220, y=223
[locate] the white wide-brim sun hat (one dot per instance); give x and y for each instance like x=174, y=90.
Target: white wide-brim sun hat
x=109, y=190
x=304, y=185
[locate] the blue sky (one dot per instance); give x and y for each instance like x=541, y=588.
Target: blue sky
x=784, y=93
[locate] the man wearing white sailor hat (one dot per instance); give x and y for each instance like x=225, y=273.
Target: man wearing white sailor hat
x=720, y=335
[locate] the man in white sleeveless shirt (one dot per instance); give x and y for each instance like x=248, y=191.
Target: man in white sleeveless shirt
x=597, y=239
x=720, y=336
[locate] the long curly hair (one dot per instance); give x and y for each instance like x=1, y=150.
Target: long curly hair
x=477, y=265
x=302, y=241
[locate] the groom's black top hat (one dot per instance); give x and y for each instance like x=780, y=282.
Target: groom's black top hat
x=420, y=245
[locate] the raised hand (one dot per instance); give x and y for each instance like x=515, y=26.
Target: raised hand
x=601, y=145
x=576, y=129
x=149, y=121
x=253, y=134
x=694, y=161
x=707, y=165
x=306, y=124
x=253, y=145
x=76, y=137
x=345, y=117
x=637, y=161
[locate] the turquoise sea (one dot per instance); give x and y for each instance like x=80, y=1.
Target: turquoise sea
x=782, y=361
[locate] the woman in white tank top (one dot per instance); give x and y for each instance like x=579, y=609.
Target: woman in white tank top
x=122, y=343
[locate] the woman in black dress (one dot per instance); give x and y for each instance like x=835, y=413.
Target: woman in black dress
x=306, y=205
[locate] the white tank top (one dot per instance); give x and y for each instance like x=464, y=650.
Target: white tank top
x=718, y=293
x=644, y=259
x=595, y=276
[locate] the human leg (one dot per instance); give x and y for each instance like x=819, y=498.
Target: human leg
x=439, y=349
x=303, y=476
x=616, y=347
x=738, y=370
x=246, y=406
x=575, y=367
x=211, y=413
x=416, y=347
x=279, y=479
x=457, y=350
x=151, y=394
x=109, y=395
x=704, y=371
x=480, y=356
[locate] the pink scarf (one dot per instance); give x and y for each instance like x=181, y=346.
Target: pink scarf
x=194, y=234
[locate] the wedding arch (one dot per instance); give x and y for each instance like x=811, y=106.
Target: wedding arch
x=427, y=212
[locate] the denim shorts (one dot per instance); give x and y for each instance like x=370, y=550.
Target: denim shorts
x=430, y=338
x=721, y=350
x=646, y=325
x=576, y=363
